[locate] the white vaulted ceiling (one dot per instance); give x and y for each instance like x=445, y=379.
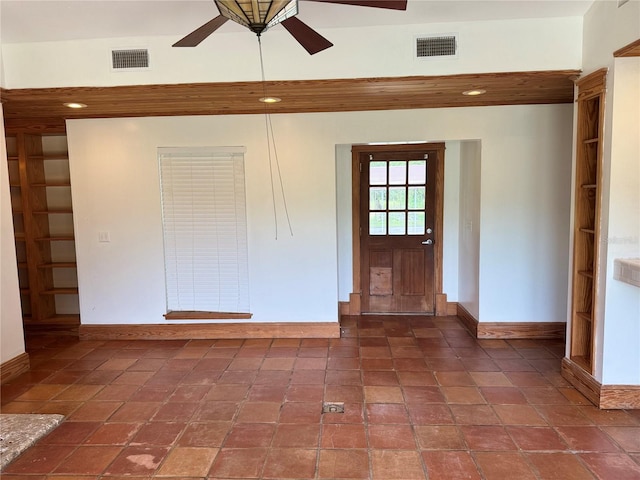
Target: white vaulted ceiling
x=24, y=21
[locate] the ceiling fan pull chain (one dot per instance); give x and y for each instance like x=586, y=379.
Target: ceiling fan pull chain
x=272, y=140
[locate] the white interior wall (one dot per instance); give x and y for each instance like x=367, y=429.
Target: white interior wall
x=115, y=189
x=524, y=218
x=607, y=28
x=11, y=330
x=621, y=350
x=380, y=51
x=469, y=227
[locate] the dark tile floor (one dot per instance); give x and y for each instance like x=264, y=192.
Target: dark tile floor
x=423, y=399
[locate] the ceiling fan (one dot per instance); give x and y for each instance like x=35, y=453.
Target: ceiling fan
x=259, y=15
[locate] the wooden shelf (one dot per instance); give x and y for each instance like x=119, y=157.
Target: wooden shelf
x=60, y=291
x=588, y=173
x=586, y=273
x=58, y=238
x=586, y=316
x=62, y=183
x=54, y=212
x=36, y=220
x=62, y=319
x=45, y=266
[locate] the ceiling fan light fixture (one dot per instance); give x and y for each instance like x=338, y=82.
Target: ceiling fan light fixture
x=257, y=15
x=473, y=93
x=74, y=105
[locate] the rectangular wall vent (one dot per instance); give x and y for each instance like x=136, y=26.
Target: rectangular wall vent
x=131, y=58
x=441, y=46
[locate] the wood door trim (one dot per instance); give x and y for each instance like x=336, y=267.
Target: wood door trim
x=356, y=150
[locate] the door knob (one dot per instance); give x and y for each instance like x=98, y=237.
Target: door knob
x=428, y=241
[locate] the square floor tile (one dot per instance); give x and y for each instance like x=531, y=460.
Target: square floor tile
x=250, y=435
x=391, y=437
x=551, y=466
x=88, y=460
x=450, y=465
x=343, y=464
x=439, y=437
x=587, y=439
x=396, y=465
x=138, y=461
x=343, y=436
x=296, y=463
x=298, y=436
x=208, y=434
x=188, y=462
x=504, y=465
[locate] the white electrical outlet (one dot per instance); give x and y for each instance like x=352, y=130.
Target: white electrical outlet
x=103, y=237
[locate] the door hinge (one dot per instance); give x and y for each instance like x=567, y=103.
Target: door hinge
x=360, y=231
x=361, y=167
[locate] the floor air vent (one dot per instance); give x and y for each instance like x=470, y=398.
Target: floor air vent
x=441, y=46
x=127, y=59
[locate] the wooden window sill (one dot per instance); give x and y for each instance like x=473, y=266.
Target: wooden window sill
x=192, y=315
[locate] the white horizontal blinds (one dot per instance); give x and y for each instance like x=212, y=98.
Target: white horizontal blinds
x=205, y=229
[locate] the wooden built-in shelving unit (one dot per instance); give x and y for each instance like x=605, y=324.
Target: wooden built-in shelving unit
x=588, y=174
x=40, y=187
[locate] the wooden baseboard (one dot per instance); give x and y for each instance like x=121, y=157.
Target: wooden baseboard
x=468, y=320
x=510, y=330
x=513, y=330
x=210, y=331
x=354, y=304
x=607, y=397
x=452, y=308
x=14, y=367
x=343, y=308
x=581, y=380
x=441, y=305
x=619, y=396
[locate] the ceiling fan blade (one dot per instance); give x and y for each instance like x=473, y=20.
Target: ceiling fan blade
x=197, y=36
x=311, y=40
x=389, y=4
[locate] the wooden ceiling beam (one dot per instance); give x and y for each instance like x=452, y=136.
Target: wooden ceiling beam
x=45, y=105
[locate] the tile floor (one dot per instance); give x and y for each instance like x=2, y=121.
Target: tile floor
x=423, y=399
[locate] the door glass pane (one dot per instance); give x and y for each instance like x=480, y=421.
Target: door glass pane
x=417, y=172
x=377, y=173
x=377, y=223
x=397, y=198
x=416, y=198
x=397, y=173
x=397, y=223
x=377, y=198
x=415, y=223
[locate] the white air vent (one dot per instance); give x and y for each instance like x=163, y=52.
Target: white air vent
x=129, y=59
x=436, y=46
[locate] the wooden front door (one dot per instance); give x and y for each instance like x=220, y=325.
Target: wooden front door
x=398, y=229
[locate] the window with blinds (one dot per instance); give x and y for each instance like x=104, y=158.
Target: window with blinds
x=205, y=229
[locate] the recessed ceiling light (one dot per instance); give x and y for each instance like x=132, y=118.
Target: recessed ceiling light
x=75, y=105
x=472, y=93
x=270, y=99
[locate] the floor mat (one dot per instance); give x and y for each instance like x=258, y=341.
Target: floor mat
x=19, y=431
